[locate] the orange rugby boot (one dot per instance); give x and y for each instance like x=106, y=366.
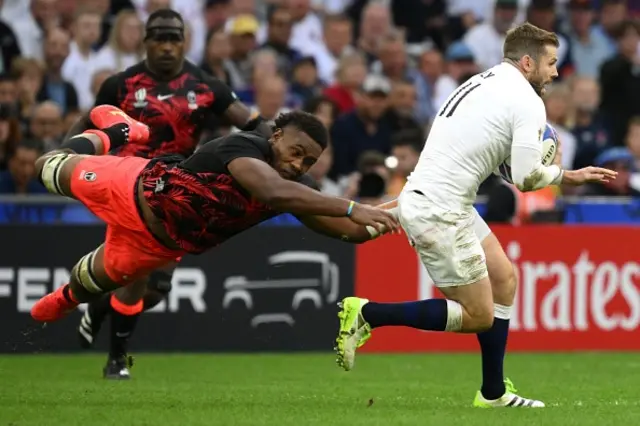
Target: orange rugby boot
x=52, y=307
x=104, y=116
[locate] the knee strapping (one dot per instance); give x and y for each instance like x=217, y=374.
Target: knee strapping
x=51, y=170
x=83, y=273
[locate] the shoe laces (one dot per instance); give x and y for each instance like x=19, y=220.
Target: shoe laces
x=509, y=386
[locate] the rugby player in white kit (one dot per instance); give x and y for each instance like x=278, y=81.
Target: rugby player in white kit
x=494, y=115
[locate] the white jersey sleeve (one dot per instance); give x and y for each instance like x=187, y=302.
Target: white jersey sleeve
x=527, y=171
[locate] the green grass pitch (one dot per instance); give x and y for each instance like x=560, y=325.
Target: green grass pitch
x=579, y=389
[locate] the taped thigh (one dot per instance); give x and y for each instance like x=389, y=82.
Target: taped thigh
x=84, y=274
x=51, y=171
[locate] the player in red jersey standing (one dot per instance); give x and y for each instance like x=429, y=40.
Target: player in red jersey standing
x=177, y=101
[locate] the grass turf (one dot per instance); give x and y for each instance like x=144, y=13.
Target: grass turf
x=579, y=389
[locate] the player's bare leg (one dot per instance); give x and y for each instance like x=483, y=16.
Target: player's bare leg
x=496, y=391
x=157, y=289
x=55, y=170
x=88, y=281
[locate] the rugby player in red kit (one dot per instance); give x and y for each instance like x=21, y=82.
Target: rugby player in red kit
x=177, y=101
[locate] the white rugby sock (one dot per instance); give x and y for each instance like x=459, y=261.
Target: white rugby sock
x=501, y=311
x=454, y=316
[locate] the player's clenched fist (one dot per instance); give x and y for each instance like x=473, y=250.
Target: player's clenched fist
x=381, y=219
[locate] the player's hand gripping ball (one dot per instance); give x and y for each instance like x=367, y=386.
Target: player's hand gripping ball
x=549, y=148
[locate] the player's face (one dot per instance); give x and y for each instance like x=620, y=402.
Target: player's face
x=294, y=152
x=165, y=45
x=545, y=70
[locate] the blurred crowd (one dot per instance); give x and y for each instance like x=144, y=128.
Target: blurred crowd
x=375, y=71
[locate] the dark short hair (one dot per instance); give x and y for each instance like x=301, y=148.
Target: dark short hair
x=623, y=27
x=304, y=122
x=527, y=39
x=31, y=144
x=164, y=14
x=275, y=10
x=412, y=138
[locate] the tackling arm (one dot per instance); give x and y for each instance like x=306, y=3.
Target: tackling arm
x=343, y=228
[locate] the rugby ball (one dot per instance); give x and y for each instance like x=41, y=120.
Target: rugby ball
x=549, y=141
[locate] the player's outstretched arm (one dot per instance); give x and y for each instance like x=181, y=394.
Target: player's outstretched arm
x=345, y=229
x=264, y=183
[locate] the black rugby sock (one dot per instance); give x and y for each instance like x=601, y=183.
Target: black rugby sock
x=493, y=344
x=430, y=314
x=111, y=137
x=124, y=319
x=99, y=309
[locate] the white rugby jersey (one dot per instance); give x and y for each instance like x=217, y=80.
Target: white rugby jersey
x=493, y=115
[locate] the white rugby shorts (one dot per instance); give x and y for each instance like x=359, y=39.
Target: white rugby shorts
x=448, y=243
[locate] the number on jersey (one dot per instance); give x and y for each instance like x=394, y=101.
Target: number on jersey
x=462, y=93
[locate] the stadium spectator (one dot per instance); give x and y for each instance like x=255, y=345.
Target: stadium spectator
x=9, y=90
x=320, y=172
x=264, y=64
x=365, y=129
x=405, y=149
x=486, y=39
x=460, y=65
x=620, y=82
x=588, y=129
x=278, y=35
x=589, y=47
x=31, y=26
x=271, y=96
x=375, y=23
x=20, y=177
x=243, y=42
x=612, y=14
x=633, y=141
x=542, y=14
x=10, y=134
x=402, y=106
x=78, y=67
x=305, y=84
x=46, y=124
x=620, y=160
x=350, y=75
x=557, y=102
x=306, y=34
x=323, y=108
x=28, y=74
x=216, y=14
x=124, y=46
x=394, y=65
x=338, y=39
x=9, y=48
x=432, y=69
x=54, y=86
x=216, y=58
